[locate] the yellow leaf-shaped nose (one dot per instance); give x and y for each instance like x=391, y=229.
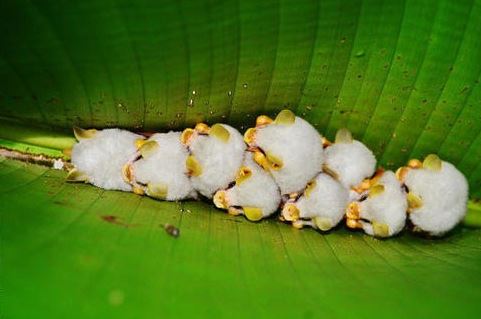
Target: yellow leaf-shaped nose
x=186, y=136
x=261, y=159
x=275, y=161
x=193, y=166
x=415, y=163
x=202, y=128
x=243, y=174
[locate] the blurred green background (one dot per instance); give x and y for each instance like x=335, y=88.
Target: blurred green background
x=402, y=75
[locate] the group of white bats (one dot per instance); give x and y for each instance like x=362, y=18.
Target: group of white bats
x=280, y=164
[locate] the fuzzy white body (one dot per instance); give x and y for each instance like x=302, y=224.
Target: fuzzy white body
x=166, y=166
x=351, y=162
x=102, y=157
x=299, y=146
x=327, y=199
x=220, y=160
x=444, y=195
x=387, y=208
x=259, y=190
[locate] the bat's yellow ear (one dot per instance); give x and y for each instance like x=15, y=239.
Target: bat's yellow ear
x=343, y=135
x=186, y=135
x=127, y=173
x=376, y=190
x=380, y=229
x=220, y=132
x=323, y=223
x=148, y=148
x=159, y=190
x=76, y=176
x=263, y=120
x=432, y=162
x=81, y=134
x=285, y=117
x=253, y=213
x=415, y=163
x=140, y=142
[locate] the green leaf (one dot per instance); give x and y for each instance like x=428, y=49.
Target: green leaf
x=402, y=76
x=78, y=251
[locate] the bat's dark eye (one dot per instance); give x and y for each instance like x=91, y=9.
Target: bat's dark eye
x=363, y=198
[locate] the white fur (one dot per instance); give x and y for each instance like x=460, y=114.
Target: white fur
x=444, y=195
x=353, y=195
x=102, y=157
x=166, y=166
x=219, y=160
x=352, y=162
x=387, y=208
x=328, y=199
x=299, y=146
x=259, y=190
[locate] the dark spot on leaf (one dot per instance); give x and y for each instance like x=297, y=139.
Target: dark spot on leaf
x=110, y=218
x=172, y=230
x=53, y=100
x=114, y=220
